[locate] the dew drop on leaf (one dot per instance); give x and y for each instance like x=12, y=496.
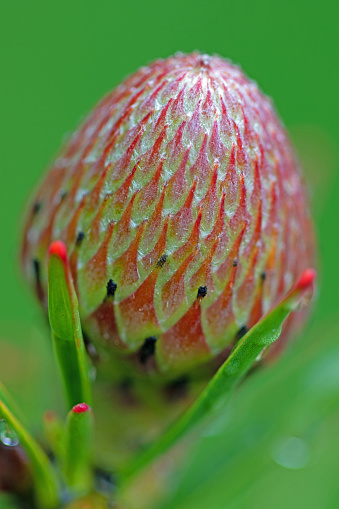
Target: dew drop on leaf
x=291, y=452
x=7, y=436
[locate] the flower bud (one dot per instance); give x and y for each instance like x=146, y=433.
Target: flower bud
x=183, y=211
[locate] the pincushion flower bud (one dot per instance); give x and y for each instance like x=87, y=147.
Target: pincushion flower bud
x=183, y=211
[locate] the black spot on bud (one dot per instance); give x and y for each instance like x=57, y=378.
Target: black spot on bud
x=263, y=276
x=37, y=274
x=104, y=481
x=36, y=208
x=80, y=238
x=162, y=260
x=235, y=262
x=202, y=292
x=147, y=349
x=111, y=288
x=241, y=332
x=63, y=195
x=177, y=389
x=36, y=267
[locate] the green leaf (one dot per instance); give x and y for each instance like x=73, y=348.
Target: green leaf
x=77, y=449
x=239, y=362
x=66, y=327
x=43, y=474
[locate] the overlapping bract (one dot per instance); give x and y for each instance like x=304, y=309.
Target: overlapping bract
x=183, y=211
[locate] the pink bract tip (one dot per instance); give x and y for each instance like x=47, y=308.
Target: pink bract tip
x=306, y=279
x=80, y=408
x=59, y=249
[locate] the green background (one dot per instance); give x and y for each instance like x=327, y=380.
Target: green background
x=277, y=444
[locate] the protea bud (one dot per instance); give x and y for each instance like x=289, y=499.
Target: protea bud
x=183, y=211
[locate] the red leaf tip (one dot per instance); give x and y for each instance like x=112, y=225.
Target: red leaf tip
x=50, y=416
x=80, y=408
x=306, y=279
x=59, y=249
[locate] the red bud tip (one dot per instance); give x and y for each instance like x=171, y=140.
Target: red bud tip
x=59, y=249
x=81, y=408
x=306, y=279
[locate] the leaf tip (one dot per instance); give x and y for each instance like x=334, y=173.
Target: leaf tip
x=306, y=279
x=302, y=292
x=81, y=408
x=58, y=249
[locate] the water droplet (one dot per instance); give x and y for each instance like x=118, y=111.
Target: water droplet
x=7, y=435
x=291, y=452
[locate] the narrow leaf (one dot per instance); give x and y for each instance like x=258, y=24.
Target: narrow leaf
x=77, y=448
x=241, y=359
x=42, y=471
x=53, y=430
x=66, y=327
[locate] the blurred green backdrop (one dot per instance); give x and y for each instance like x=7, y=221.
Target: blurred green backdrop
x=277, y=445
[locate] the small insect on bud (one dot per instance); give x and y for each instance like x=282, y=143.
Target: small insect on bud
x=186, y=157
